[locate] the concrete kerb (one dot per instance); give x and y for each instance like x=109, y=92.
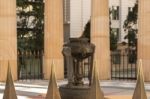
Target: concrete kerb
x=123, y=84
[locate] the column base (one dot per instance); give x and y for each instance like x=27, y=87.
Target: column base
x=58, y=67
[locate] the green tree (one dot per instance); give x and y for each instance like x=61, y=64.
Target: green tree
x=87, y=30
x=129, y=26
x=30, y=24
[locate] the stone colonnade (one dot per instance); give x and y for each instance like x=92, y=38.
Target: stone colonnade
x=54, y=37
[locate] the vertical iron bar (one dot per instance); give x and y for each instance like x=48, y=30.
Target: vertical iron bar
x=128, y=66
x=120, y=56
x=41, y=64
x=38, y=64
x=25, y=64
x=30, y=57
x=136, y=69
x=123, y=67
x=111, y=65
x=34, y=58
x=131, y=70
x=89, y=64
x=115, y=67
x=18, y=64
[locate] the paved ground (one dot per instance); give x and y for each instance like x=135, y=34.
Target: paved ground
x=36, y=89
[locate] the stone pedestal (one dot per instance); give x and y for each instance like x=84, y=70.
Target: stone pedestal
x=75, y=92
x=8, y=38
x=100, y=37
x=144, y=36
x=53, y=38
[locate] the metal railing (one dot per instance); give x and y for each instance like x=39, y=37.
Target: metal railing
x=123, y=66
x=30, y=65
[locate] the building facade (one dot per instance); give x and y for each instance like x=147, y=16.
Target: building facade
x=119, y=11
x=80, y=12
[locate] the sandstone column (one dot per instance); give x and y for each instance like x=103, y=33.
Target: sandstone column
x=53, y=38
x=144, y=36
x=8, y=38
x=100, y=36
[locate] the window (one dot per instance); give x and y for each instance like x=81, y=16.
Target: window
x=115, y=31
x=66, y=11
x=130, y=9
x=115, y=12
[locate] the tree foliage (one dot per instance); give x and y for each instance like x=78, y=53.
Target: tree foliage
x=30, y=24
x=130, y=26
x=87, y=30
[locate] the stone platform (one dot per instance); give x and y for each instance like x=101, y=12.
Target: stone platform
x=75, y=92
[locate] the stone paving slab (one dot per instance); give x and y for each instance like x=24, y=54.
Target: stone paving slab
x=37, y=89
x=119, y=97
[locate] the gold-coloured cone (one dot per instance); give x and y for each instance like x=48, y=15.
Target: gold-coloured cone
x=53, y=92
x=95, y=91
x=9, y=92
x=139, y=92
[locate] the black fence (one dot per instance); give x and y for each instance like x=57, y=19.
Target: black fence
x=124, y=66
x=30, y=65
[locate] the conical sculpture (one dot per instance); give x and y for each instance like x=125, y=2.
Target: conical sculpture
x=95, y=91
x=9, y=92
x=140, y=92
x=53, y=92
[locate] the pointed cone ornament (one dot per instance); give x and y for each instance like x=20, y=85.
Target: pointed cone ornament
x=53, y=92
x=139, y=92
x=95, y=90
x=9, y=92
